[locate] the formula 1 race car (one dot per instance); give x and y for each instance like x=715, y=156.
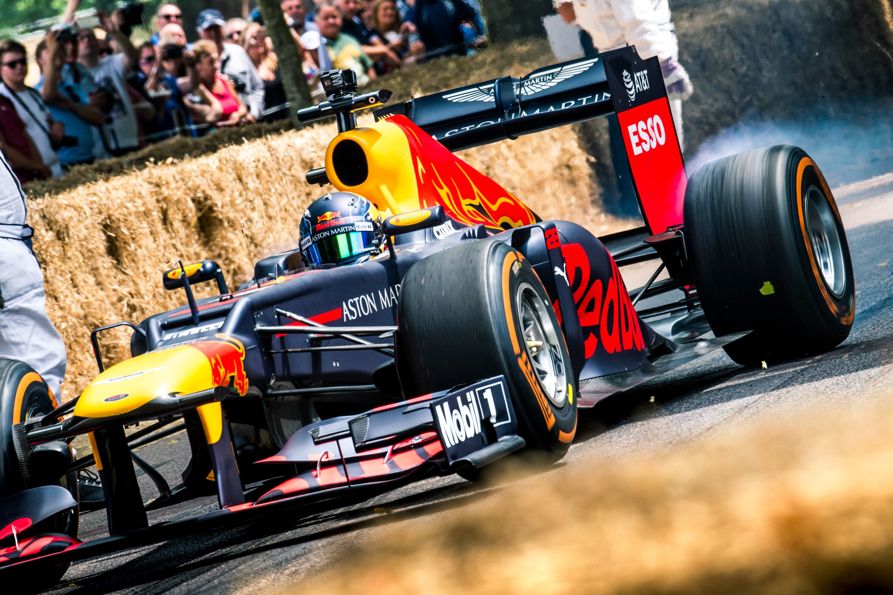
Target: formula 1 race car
x=478, y=330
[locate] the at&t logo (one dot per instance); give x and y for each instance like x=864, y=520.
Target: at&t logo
x=635, y=83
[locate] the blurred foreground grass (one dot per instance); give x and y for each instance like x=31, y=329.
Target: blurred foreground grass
x=800, y=503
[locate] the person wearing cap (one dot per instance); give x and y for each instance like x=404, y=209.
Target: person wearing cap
x=70, y=92
x=235, y=63
x=26, y=332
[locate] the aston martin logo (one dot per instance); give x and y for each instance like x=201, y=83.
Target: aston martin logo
x=531, y=86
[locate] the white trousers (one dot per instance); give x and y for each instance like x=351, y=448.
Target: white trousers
x=26, y=332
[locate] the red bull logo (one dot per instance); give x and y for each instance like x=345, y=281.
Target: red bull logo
x=328, y=216
x=606, y=313
x=227, y=358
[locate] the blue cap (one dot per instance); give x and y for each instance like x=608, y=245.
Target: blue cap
x=209, y=18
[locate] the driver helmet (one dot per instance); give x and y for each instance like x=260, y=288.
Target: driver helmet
x=340, y=228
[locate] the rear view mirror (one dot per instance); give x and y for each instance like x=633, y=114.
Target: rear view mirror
x=414, y=221
x=196, y=272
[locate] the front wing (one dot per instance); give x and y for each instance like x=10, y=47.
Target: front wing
x=332, y=461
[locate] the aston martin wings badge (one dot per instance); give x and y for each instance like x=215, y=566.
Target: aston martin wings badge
x=538, y=83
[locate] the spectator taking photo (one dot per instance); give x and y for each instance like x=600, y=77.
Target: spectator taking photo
x=120, y=132
x=70, y=92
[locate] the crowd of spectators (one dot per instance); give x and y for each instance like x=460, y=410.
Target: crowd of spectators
x=99, y=96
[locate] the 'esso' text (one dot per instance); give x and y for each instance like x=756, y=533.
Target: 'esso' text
x=647, y=135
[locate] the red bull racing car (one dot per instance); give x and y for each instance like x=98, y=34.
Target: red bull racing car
x=478, y=330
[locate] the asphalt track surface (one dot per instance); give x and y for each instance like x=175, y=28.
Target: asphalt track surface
x=710, y=395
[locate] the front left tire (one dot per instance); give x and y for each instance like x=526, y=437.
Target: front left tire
x=478, y=310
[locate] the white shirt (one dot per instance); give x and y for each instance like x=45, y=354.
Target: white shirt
x=645, y=24
x=29, y=106
x=123, y=132
x=234, y=62
x=12, y=203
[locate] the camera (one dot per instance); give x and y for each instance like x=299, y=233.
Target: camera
x=238, y=83
x=171, y=51
x=338, y=83
x=131, y=16
x=65, y=141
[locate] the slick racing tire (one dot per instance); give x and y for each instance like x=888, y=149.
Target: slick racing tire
x=479, y=310
x=24, y=395
x=769, y=254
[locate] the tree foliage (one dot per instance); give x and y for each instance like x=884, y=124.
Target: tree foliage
x=23, y=12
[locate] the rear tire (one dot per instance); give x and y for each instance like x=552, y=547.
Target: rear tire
x=479, y=310
x=768, y=253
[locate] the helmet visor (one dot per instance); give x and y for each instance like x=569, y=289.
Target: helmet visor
x=342, y=247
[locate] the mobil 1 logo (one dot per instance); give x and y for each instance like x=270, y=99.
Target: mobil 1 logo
x=468, y=419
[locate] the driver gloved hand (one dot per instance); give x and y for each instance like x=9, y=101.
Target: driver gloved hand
x=676, y=79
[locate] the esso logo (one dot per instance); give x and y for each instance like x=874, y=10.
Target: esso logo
x=647, y=135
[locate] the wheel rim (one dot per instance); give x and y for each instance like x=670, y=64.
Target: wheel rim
x=543, y=344
x=824, y=238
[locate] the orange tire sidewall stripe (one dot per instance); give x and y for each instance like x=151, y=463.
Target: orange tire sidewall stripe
x=26, y=381
x=801, y=168
x=521, y=354
x=568, y=437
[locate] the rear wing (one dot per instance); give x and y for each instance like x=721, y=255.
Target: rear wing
x=615, y=82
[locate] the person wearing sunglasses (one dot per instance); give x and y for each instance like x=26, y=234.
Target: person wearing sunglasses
x=166, y=14
x=147, y=59
x=44, y=132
